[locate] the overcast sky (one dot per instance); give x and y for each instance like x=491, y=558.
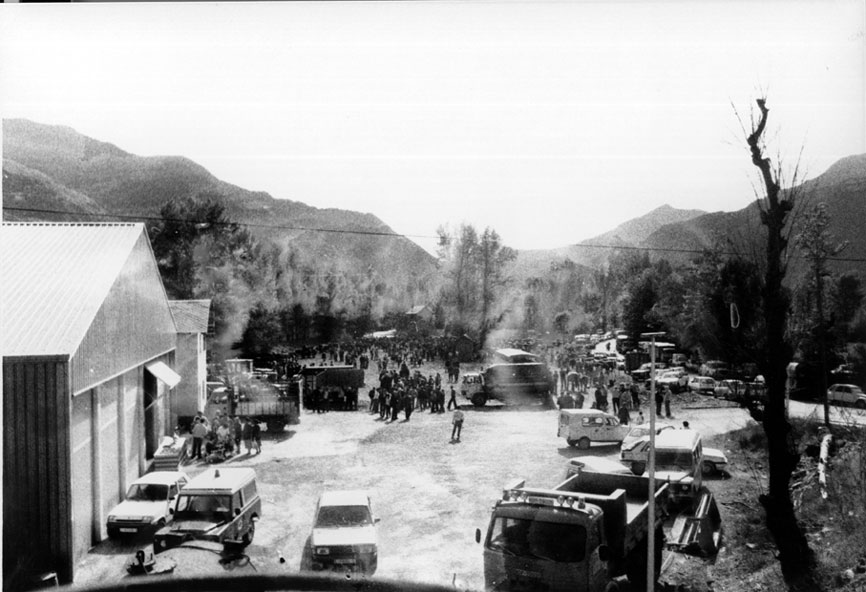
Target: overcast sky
x=551, y=122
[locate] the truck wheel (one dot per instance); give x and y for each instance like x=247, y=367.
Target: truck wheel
x=249, y=534
x=276, y=426
x=479, y=399
x=583, y=443
x=638, y=467
x=860, y=404
x=708, y=468
x=635, y=567
x=611, y=587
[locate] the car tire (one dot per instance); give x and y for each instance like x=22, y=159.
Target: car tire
x=708, y=468
x=584, y=443
x=479, y=399
x=860, y=404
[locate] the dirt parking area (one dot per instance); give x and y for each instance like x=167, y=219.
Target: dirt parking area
x=430, y=494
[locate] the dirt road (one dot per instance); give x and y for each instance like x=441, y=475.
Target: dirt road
x=430, y=494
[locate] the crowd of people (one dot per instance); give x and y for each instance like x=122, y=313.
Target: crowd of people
x=403, y=391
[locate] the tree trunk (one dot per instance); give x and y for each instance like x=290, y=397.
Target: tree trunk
x=795, y=557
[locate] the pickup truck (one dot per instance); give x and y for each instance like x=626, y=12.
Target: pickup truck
x=580, y=535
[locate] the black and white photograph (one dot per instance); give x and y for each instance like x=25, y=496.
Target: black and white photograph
x=434, y=295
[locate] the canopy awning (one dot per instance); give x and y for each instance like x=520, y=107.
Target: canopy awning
x=164, y=373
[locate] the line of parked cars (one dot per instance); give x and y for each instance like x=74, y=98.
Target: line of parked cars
x=223, y=505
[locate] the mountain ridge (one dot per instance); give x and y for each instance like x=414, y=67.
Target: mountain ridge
x=69, y=170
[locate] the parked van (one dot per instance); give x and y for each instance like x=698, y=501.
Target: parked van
x=221, y=505
x=582, y=427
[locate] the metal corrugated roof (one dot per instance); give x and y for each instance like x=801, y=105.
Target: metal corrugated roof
x=190, y=316
x=55, y=276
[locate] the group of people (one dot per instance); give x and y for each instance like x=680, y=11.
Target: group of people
x=398, y=392
x=621, y=399
x=216, y=440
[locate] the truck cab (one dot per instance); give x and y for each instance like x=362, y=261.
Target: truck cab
x=578, y=536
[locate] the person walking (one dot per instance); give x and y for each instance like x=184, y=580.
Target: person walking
x=660, y=399
x=615, y=395
x=453, y=399
x=456, y=425
x=640, y=418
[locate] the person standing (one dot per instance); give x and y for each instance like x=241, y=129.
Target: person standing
x=457, y=425
x=199, y=431
x=257, y=437
x=667, y=397
x=236, y=432
x=624, y=415
x=615, y=395
x=247, y=434
x=453, y=399
x=660, y=399
x=408, y=404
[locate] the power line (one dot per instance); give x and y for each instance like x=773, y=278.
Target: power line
x=247, y=224
x=388, y=234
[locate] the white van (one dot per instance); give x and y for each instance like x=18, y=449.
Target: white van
x=582, y=427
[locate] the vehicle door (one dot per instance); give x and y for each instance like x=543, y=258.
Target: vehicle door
x=611, y=430
x=172, y=495
x=592, y=427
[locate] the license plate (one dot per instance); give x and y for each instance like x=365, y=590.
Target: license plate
x=128, y=530
x=344, y=561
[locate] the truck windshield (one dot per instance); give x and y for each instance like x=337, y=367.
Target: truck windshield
x=147, y=492
x=680, y=459
x=338, y=516
x=553, y=541
x=205, y=507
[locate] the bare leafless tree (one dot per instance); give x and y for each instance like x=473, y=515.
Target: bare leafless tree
x=795, y=556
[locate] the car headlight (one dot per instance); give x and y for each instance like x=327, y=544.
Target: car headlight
x=112, y=517
x=323, y=551
x=162, y=544
x=366, y=549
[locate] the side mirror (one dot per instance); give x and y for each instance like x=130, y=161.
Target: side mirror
x=604, y=552
x=477, y=535
x=237, y=511
x=376, y=520
x=171, y=510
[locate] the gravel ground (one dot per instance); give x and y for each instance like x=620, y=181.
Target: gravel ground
x=430, y=494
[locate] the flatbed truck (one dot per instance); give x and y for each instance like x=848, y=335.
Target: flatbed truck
x=580, y=535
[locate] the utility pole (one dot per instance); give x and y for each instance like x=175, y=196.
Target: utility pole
x=651, y=531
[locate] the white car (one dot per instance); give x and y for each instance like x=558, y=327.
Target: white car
x=702, y=384
x=641, y=432
x=344, y=533
x=847, y=394
x=714, y=460
x=595, y=464
x=146, y=504
x=676, y=380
